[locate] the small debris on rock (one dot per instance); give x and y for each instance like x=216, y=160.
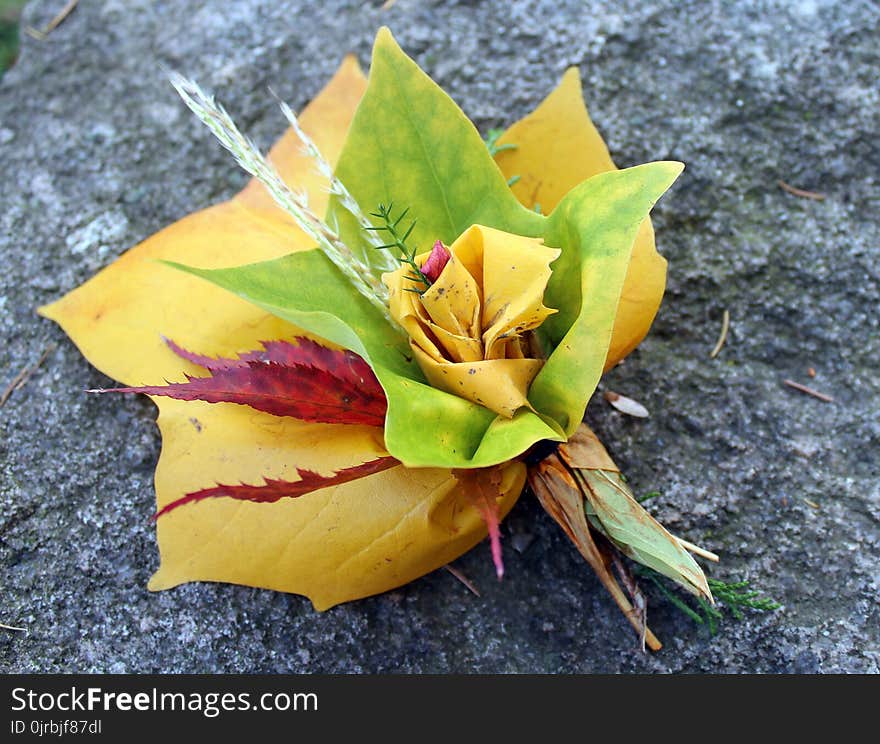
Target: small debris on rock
x=808, y=391
x=22, y=377
x=722, y=337
x=626, y=405
x=463, y=579
x=814, y=195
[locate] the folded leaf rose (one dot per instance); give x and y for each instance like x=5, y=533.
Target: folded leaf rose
x=470, y=331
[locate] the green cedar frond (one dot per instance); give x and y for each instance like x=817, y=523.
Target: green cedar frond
x=491, y=140
x=398, y=242
x=734, y=596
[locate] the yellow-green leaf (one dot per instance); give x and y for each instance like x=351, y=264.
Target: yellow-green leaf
x=410, y=144
x=595, y=225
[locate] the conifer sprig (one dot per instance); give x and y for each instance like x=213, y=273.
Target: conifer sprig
x=391, y=226
x=491, y=140
x=735, y=596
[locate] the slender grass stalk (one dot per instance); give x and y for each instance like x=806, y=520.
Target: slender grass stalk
x=380, y=261
x=248, y=156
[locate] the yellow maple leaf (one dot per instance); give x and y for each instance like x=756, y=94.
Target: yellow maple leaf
x=556, y=147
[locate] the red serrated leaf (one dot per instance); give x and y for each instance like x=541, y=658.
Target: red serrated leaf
x=199, y=359
x=305, y=393
x=483, y=487
x=305, y=381
x=343, y=364
x=275, y=490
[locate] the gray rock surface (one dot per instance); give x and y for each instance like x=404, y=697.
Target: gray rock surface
x=96, y=154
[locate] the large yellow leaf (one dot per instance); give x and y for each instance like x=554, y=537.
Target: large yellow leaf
x=333, y=545
x=557, y=147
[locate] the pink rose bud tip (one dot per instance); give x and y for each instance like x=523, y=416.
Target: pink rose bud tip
x=436, y=262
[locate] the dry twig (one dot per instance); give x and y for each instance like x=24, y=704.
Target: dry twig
x=53, y=24
x=814, y=195
x=640, y=604
x=463, y=579
x=22, y=377
x=697, y=550
x=725, y=327
x=808, y=391
x=11, y=627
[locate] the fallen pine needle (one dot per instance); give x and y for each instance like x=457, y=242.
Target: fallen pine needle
x=11, y=627
x=40, y=35
x=463, y=579
x=810, y=503
x=725, y=327
x=387, y=4
x=697, y=550
x=808, y=391
x=22, y=377
x=814, y=195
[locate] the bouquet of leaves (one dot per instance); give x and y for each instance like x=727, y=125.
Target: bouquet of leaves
x=362, y=359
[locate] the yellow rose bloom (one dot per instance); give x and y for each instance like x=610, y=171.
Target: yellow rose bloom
x=470, y=330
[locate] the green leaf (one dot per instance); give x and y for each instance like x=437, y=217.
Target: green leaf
x=614, y=511
x=595, y=225
x=305, y=289
x=410, y=143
